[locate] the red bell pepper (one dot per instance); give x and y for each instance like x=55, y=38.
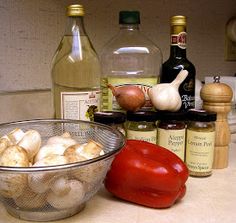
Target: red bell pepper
x=147, y=174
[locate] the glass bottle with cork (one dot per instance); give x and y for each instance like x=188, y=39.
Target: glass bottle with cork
x=129, y=58
x=75, y=71
x=200, y=142
x=178, y=61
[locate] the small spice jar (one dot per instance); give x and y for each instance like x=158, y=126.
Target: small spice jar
x=114, y=119
x=200, y=142
x=171, y=132
x=141, y=125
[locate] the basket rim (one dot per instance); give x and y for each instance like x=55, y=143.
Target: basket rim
x=61, y=167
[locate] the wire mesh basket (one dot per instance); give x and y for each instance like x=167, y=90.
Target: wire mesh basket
x=46, y=193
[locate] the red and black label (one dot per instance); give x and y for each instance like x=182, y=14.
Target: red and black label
x=179, y=40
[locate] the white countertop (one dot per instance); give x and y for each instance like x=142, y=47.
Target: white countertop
x=208, y=200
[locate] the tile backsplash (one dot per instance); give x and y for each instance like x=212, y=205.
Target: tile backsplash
x=31, y=30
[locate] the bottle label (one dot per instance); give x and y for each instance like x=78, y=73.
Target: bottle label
x=200, y=150
x=179, y=40
x=109, y=101
x=173, y=140
x=79, y=105
x=148, y=136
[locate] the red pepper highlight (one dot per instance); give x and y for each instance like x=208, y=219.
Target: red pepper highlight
x=147, y=174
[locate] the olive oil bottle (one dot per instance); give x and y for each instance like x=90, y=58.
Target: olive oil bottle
x=129, y=58
x=178, y=61
x=75, y=71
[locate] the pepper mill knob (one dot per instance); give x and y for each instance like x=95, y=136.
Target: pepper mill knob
x=217, y=97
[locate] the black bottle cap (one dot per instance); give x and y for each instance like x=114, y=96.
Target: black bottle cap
x=201, y=115
x=129, y=17
x=172, y=116
x=148, y=116
x=109, y=117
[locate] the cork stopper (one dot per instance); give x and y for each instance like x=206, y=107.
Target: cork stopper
x=216, y=92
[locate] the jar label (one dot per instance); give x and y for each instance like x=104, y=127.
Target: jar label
x=149, y=136
x=109, y=101
x=173, y=140
x=179, y=40
x=200, y=150
x=79, y=105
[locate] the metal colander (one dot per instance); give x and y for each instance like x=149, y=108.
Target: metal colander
x=43, y=193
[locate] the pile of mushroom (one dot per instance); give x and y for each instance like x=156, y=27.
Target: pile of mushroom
x=61, y=190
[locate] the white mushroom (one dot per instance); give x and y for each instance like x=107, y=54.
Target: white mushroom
x=40, y=182
x=64, y=139
x=72, y=154
x=31, y=142
x=47, y=150
x=30, y=199
x=4, y=143
x=12, y=185
x=60, y=186
x=69, y=200
x=15, y=135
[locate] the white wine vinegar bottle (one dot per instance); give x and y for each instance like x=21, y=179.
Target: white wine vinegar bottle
x=75, y=71
x=129, y=58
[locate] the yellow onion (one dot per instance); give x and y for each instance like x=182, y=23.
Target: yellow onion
x=129, y=97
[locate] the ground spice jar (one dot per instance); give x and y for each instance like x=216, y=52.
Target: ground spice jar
x=200, y=142
x=141, y=125
x=114, y=119
x=171, y=132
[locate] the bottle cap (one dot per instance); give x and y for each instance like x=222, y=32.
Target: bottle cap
x=148, y=116
x=178, y=20
x=75, y=10
x=129, y=17
x=201, y=115
x=109, y=117
x=172, y=116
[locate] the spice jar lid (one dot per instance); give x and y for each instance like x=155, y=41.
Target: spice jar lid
x=172, y=116
x=149, y=116
x=201, y=115
x=109, y=117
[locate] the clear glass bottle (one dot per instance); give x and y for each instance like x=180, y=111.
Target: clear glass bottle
x=75, y=71
x=171, y=132
x=141, y=125
x=178, y=61
x=200, y=142
x=129, y=58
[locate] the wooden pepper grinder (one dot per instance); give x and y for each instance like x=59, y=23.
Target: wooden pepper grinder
x=217, y=98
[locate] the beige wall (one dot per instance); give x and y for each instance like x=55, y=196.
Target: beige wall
x=30, y=31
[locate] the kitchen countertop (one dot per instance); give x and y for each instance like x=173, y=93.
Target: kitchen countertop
x=208, y=200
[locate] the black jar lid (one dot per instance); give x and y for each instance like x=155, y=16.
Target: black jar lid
x=201, y=115
x=129, y=17
x=172, y=116
x=148, y=116
x=109, y=117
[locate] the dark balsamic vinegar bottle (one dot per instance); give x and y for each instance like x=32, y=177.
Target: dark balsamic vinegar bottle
x=178, y=61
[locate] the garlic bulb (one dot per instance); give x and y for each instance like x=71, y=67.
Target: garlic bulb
x=166, y=96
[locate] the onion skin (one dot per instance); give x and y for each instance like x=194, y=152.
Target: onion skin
x=129, y=97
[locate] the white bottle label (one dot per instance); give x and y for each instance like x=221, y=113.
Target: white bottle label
x=173, y=140
x=149, y=136
x=79, y=105
x=200, y=150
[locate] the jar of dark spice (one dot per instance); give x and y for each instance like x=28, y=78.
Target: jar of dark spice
x=141, y=125
x=200, y=142
x=171, y=132
x=114, y=119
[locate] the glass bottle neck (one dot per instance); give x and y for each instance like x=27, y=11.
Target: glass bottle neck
x=129, y=27
x=178, y=41
x=75, y=25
